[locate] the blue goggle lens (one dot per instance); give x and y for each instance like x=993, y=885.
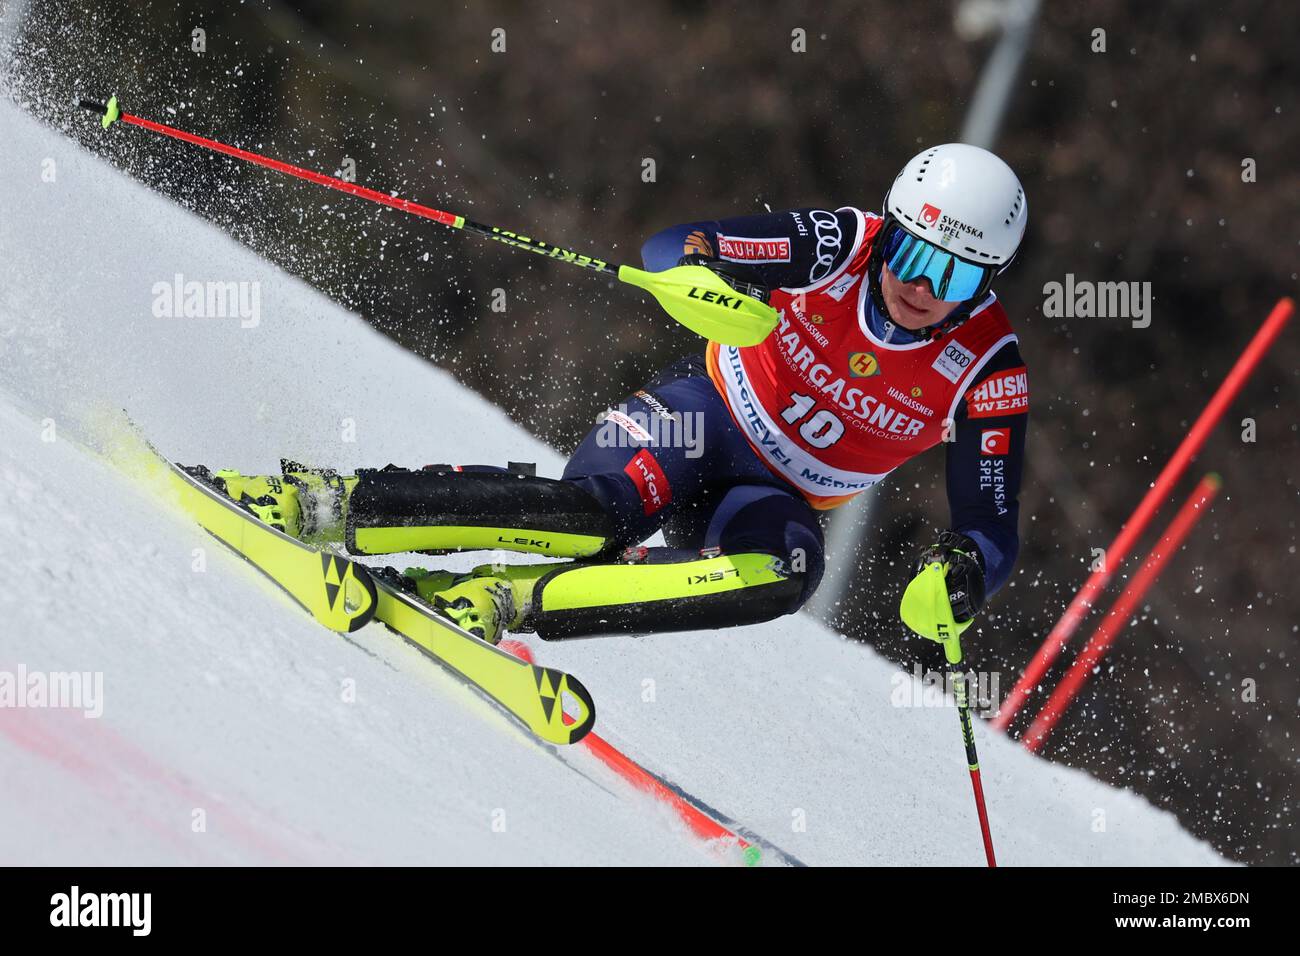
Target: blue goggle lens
x=952, y=279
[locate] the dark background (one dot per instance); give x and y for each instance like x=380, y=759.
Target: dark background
x=1132, y=161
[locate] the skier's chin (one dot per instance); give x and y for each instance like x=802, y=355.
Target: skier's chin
x=912, y=317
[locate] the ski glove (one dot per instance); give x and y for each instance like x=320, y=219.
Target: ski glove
x=740, y=277
x=935, y=605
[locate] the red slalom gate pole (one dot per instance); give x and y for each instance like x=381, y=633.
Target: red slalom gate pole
x=699, y=823
x=1188, y=515
x=1092, y=588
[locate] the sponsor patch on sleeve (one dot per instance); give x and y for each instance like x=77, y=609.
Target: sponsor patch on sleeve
x=1003, y=393
x=650, y=480
x=743, y=249
x=697, y=244
x=995, y=441
x=628, y=424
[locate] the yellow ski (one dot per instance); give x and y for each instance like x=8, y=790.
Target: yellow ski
x=344, y=596
x=537, y=696
x=338, y=592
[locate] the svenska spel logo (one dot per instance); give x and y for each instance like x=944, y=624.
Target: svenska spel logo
x=930, y=214
x=995, y=441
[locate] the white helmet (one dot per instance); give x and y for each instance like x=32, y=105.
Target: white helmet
x=965, y=200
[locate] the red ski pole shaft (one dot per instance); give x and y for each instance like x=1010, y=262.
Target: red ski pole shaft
x=697, y=298
x=1114, y=622
x=373, y=195
x=1114, y=556
x=972, y=761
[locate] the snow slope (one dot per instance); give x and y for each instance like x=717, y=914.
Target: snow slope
x=228, y=732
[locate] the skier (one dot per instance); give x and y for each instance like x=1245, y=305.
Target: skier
x=890, y=341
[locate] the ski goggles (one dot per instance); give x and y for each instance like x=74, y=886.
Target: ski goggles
x=910, y=258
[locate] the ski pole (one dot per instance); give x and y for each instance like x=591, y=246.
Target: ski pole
x=693, y=295
x=927, y=610
x=952, y=649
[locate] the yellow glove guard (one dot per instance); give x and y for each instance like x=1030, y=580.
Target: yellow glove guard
x=925, y=608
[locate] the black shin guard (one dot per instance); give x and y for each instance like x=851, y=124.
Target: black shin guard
x=440, y=511
x=662, y=594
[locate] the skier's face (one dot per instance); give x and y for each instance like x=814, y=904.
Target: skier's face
x=912, y=304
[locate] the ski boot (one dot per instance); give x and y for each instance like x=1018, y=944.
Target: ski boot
x=486, y=602
x=306, y=503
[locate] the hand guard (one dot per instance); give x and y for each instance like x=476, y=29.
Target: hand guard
x=739, y=277
x=948, y=589
x=965, y=572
